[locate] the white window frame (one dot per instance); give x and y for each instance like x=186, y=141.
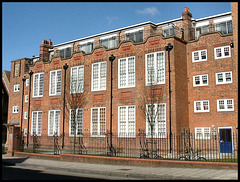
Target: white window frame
x=155, y=68
x=126, y=133
x=200, y=80
x=26, y=98
x=159, y=119
x=79, y=80
x=225, y=103
x=15, y=109
x=27, y=82
x=111, y=41
x=99, y=134
x=79, y=122
x=25, y=115
x=56, y=82
x=127, y=72
x=38, y=91
x=100, y=78
x=222, y=52
x=223, y=77
x=38, y=123
x=199, y=52
x=203, y=133
x=17, y=88
x=201, y=105
x=56, y=123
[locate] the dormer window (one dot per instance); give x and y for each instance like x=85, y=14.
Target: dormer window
x=201, y=30
x=169, y=31
x=109, y=41
x=65, y=53
x=224, y=27
x=86, y=47
x=135, y=35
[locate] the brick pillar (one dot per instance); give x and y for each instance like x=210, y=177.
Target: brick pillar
x=13, y=140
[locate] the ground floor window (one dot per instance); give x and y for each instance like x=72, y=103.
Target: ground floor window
x=36, y=128
x=202, y=132
x=54, y=122
x=76, y=122
x=98, y=121
x=156, y=115
x=126, y=121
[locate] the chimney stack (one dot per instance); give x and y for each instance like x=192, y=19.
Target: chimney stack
x=187, y=24
x=44, y=50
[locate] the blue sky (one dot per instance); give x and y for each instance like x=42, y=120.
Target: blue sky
x=25, y=25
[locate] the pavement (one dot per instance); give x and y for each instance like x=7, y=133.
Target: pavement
x=131, y=172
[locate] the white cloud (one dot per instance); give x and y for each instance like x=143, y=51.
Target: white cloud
x=111, y=19
x=148, y=11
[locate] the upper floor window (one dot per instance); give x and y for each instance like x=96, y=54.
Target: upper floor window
x=201, y=30
x=86, y=47
x=55, y=82
x=99, y=76
x=136, y=35
x=222, y=52
x=109, y=42
x=225, y=105
x=77, y=79
x=224, y=27
x=224, y=77
x=17, y=88
x=38, y=81
x=200, y=80
x=200, y=55
x=201, y=106
x=169, y=31
x=155, y=68
x=65, y=53
x=126, y=73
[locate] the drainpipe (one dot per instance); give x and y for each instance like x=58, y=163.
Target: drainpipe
x=65, y=67
x=29, y=98
x=20, y=138
x=168, y=48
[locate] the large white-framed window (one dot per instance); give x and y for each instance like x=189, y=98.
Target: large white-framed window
x=200, y=55
x=225, y=105
x=156, y=114
x=55, y=82
x=38, y=82
x=76, y=122
x=98, y=121
x=126, y=121
x=99, y=76
x=155, y=68
x=201, y=106
x=222, y=52
x=224, y=77
x=202, y=132
x=54, y=122
x=15, y=109
x=126, y=72
x=77, y=79
x=86, y=46
x=36, y=127
x=224, y=27
x=65, y=53
x=17, y=88
x=200, y=80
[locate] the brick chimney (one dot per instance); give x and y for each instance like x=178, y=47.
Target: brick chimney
x=44, y=50
x=187, y=24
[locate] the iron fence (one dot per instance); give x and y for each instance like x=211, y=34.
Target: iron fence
x=186, y=146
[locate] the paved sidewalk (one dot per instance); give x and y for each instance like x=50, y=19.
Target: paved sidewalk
x=160, y=173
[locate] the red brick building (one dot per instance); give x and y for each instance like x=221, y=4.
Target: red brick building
x=201, y=95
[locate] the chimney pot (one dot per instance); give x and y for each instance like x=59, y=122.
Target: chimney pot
x=186, y=9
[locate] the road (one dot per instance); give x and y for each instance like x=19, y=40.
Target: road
x=11, y=172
